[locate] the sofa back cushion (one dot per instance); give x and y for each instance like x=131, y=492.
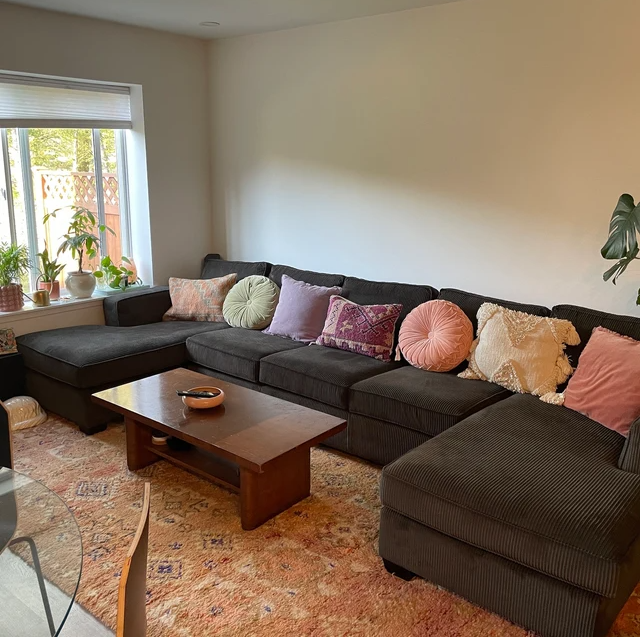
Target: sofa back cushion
x=409, y=296
x=307, y=276
x=470, y=304
x=214, y=267
x=586, y=320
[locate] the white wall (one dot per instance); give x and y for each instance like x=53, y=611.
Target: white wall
x=172, y=71
x=481, y=144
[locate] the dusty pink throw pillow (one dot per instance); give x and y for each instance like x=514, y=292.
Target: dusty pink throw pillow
x=363, y=329
x=436, y=336
x=605, y=384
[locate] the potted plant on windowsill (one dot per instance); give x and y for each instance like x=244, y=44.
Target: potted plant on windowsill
x=81, y=240
x=14, y=263
x=113, y=277
x=49, y=273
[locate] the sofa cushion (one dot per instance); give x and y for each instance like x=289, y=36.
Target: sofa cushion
x=429, y=402
x=531, y=482
x=236, y=351
x=320, y=373
x=314, y=278
x=92, y=355
x=214, y=267
x=585, y=320
x=366, y=292
x=470, y=304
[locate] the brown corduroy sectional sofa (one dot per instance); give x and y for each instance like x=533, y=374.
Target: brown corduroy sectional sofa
x=528, y=509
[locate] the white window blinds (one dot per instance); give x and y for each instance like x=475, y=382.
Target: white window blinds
x=35, y=102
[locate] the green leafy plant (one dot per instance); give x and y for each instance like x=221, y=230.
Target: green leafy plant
x=50, y=269
x=80, y=238
x=14, y=263
x=113, y=276
x=622, y=244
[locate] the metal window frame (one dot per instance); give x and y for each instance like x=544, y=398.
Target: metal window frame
x=29, y=202
x=4, y=148
x=97, y=169
x=123, y=192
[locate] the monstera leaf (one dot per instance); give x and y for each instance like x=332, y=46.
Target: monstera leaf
x=622, y=243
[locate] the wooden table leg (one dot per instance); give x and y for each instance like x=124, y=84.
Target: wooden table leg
x=138, y=439
x=282, y=483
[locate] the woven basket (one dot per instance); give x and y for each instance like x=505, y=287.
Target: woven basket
x=11, y=298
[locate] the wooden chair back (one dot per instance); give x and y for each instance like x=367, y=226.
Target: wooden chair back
x=132, y=592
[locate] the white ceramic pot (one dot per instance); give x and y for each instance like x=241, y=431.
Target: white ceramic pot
x=80, y=284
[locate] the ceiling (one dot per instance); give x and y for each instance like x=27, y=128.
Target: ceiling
x=236, y=17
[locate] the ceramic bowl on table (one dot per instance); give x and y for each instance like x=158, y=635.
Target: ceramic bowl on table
x=204, y=403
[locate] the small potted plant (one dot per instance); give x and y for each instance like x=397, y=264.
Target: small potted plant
x=115, y=277
x=81, y=240
x=14, y=263
x=49, y=273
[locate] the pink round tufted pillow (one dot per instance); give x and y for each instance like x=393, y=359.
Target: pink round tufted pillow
x=436, y=336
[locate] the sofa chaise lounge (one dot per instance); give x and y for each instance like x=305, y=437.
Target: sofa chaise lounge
x=528, y=509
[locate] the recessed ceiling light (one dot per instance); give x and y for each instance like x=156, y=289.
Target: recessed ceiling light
x=209, y=24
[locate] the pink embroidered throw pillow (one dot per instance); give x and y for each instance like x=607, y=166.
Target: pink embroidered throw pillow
x=363, y=329
x=605, y=384
x=436, y=336
x=198, y=299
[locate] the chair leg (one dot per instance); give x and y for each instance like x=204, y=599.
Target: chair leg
x=398, y=571
x=38, y=569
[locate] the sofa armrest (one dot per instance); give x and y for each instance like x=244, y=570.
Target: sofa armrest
x=137, y=308
x=630, y=457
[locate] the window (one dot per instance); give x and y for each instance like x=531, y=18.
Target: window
x=62, y=144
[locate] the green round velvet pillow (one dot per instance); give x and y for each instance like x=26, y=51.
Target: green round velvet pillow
x=251, y=303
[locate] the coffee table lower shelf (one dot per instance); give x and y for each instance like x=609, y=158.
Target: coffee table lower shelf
x=263, y=494
x=203, y=464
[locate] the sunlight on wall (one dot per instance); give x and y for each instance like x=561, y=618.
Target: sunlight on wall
x=472, y=145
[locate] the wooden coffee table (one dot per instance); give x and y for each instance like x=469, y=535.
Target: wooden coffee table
x=254, y=444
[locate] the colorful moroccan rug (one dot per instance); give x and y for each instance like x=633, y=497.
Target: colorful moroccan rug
x=313, y=570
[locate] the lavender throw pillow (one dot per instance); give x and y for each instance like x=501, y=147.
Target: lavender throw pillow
x=301, y=311
x=362, y=329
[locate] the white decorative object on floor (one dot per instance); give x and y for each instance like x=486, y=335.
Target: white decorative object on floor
x=24, y=412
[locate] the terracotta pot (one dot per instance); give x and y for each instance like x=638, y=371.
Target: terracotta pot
x=81, y=284
x=11, y=299
x=52, y=288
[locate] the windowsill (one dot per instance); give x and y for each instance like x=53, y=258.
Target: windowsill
x=63, y=305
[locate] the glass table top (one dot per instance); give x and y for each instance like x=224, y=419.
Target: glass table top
x=40, y=558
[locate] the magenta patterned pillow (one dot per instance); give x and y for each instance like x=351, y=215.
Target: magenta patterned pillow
x=363, y=329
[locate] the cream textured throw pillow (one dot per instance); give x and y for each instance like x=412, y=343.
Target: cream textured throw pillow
x=521, y=352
